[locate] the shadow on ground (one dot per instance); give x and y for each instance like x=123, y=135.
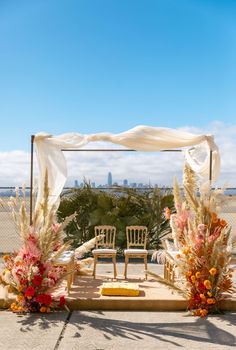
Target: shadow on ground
x=199, y=330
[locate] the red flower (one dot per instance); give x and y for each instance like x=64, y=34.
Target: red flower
x=47, y=299
x=30, y=291
x=201, y=287
x=44, y=299
x=40, y=298
x=62, y=301
x=37, y=280
x=23, y=281
x=197, y=298
x=42, y=269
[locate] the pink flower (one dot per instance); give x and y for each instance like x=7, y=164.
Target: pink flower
x=201, y=227
x=167, y=213
x=55, y=227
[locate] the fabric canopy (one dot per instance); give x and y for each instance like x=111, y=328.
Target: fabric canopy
x=140, y=138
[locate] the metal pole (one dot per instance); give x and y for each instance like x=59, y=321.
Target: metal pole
x=210, y=167
x=31, y=178
x=111, y=150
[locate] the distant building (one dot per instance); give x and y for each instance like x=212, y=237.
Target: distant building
x=76, y=184
x=109, y=180
x=140, y=185
x=125, y=183
x=133, y=184
x=93, y=185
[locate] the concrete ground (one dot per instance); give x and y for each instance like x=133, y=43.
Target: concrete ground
x=99, y=330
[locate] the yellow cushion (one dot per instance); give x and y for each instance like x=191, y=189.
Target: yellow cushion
x=120, y=288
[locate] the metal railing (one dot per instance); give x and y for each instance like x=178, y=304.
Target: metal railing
x=9, y=237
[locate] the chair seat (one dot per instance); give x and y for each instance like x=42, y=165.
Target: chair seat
x=136, y=251
x=104, y=251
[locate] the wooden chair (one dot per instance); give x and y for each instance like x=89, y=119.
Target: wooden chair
x=105, y=247
x=136, y=245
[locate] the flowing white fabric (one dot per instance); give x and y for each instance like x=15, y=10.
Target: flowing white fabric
x=140, y=138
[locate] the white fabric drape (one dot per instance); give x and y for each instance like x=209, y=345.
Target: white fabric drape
x=140, y=138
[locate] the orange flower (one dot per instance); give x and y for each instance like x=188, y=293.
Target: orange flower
x=214, y=218
x=209, y=294
x=6, y=257
x=198, y=274
x=20, y=288
x=189, y=273
x=191, y=260
x=13, y=305
x=203, y=312
x=20, y=297
x=43, y=309
x=213, y=271
x=207, y=284
x=193, y=279
x=186, y=250
x=202, y=296
x=211, y=301
x=223, y=223
x=178, y=256
x=10, y=289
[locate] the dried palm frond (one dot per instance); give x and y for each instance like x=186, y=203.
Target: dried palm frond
x=87, y=246
x=24, y=226
x=177, y=195
x=191, y=199
x=60, y=251
x=189, y=178
x=167, y=283
x=159, y=256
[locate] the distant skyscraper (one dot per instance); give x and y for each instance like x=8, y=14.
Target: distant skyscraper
x=76, y=183
x=109, y=179
x=93, y=185
x=125, y=183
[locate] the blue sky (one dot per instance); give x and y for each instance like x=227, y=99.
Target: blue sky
x=105, y=65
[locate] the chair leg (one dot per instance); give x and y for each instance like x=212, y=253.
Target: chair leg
x=126, y=265
x=68, y=279
x=94, y=266
x=145, y=264
x=114, y=265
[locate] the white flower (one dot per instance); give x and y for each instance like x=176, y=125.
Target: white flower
x=17, y=259
x=35, y=270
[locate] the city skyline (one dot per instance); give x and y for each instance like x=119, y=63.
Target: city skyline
x=110, y=183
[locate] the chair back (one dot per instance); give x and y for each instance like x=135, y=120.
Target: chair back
x=108, y=234
x=136, y=236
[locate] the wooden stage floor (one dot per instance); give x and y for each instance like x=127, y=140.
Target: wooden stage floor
x=154, y=296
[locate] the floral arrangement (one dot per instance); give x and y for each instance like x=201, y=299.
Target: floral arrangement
x=205, y=246
x=30, y=273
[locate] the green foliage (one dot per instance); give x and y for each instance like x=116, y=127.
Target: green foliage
x=121, y=207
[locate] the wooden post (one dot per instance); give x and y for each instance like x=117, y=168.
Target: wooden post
x=31, y=178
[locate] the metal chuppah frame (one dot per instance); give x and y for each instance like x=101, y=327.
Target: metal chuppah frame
x=90, y=150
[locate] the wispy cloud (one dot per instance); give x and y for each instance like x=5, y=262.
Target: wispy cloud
x=137, y=167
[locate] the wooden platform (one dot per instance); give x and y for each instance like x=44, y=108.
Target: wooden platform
x=154, y=296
